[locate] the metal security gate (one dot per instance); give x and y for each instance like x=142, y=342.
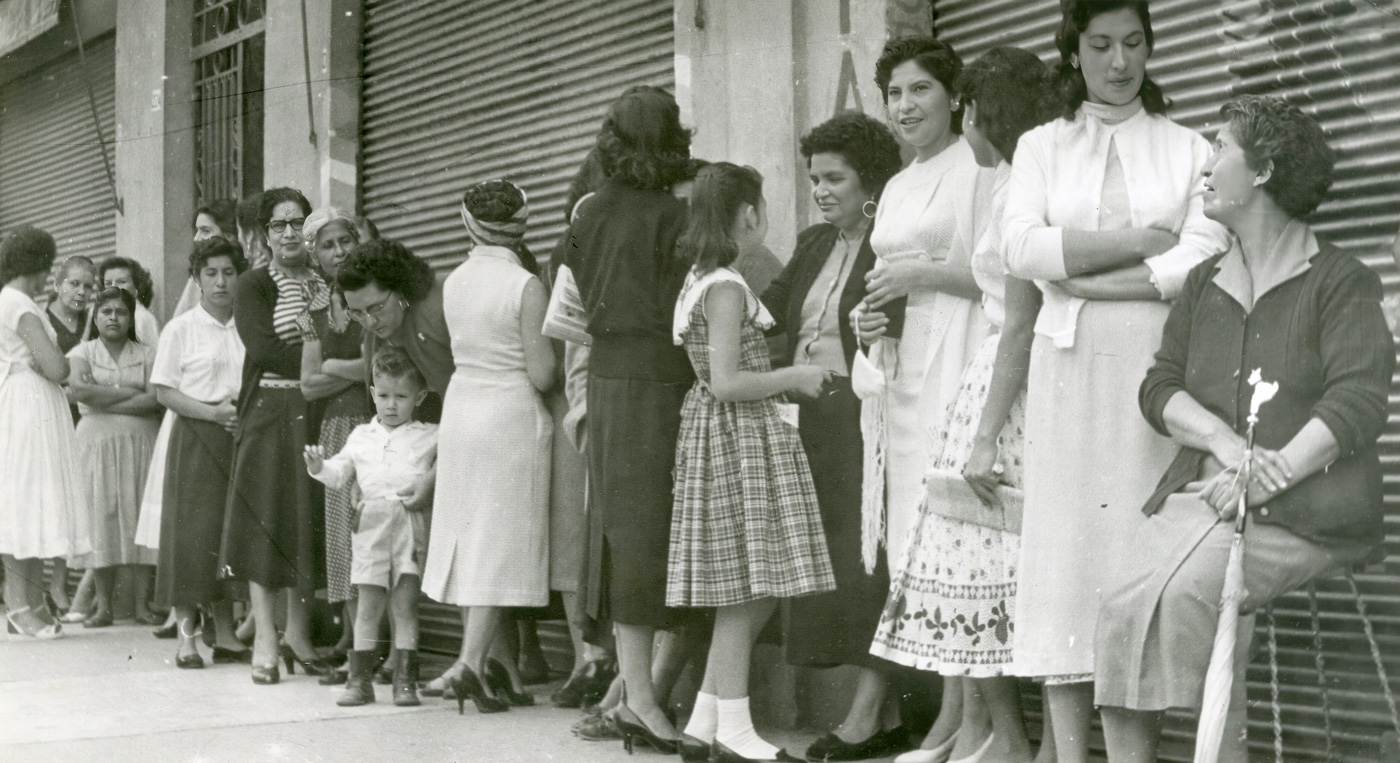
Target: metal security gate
x=52, y=173
x=459, y=92
x=227, y=51
x=1340, y=61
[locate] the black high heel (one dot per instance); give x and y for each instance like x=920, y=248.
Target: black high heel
x=498, y=681
x=467, y=684
x=312, y=667
x=723, y=754
x=634, y=728
x=693, y=750
x=266, y=675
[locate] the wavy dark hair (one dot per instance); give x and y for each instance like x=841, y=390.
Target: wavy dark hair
x=269, y=199
x=124, y=296
x=25, y=251
x=1008, y=86
x=390, y=266
x=935, y=57
x=224, y=213
x=209, y=248
x=642, y=144
x=1077, y=15
x=721, y=190
x=140, y=277
x=1269, y=129
x=862, y=142
x=495, y=201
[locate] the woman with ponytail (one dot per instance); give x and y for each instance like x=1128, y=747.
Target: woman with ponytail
x=745, y=528
x=489, y=546
x=1104, y=213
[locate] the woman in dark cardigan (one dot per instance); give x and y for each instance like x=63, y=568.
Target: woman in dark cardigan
x=849, y=160
x=1301, y=314
x=274, y=525
x=622, y=254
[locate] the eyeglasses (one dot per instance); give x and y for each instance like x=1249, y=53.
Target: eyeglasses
x=278, y=227
x=370, y=315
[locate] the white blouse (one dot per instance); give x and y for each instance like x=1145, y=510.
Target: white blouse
x=200, y=357
x=131, y=370
x=1057, y=183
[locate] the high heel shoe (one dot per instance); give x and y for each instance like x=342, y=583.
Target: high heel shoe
x=444, y=682
x=47, y=632
x=166, y=631
x=631, y=726
x=189, y=661
x=693, y=750
x=976, y=757
x=312, y=667
x=266, y=675
x=498, y=681
x=467, y=684
x=722, y=754
x=939, y=754
x=224, y=656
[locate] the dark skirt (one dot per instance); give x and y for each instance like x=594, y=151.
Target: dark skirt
x=274, y=523
x=632, y=429
x=197, y=472
x=836, y=628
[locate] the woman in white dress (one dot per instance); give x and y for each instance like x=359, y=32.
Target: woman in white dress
x=923, y=240
x=1104, y=212
x=489, y=544
x=42, y=496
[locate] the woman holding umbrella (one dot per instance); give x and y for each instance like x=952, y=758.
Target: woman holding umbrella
x=1306, y=316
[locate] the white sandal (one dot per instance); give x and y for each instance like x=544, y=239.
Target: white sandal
x=49, y=632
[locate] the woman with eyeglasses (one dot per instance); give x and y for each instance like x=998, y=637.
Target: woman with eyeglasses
x=333, y=371
x=274, y=522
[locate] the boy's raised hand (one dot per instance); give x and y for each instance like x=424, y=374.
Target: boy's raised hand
x=315, y=458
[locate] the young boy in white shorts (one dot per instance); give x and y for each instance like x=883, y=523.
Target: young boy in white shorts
x=388, y=541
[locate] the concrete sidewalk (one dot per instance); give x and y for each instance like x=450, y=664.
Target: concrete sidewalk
x=114, y=695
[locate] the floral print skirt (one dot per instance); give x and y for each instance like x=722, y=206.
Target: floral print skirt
x=953, y=588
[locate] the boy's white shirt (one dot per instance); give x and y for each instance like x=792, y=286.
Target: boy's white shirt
x=383, y=462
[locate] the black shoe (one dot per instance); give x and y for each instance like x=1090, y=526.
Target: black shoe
x=406, y=679
x=586, y=687
x=723, y=754
x=189, y=661
x=224, y=656
x=693, y=750
x=266, y=675
x=466, y=685
x=633, y=728
x=312, y=667
x=169, y=631
x=498, y=681
x=359, y=690
x=881, y=744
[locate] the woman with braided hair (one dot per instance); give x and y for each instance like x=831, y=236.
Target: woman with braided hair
x=489, y=546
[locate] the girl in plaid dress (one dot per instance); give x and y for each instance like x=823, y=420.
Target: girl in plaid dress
x=745, y=529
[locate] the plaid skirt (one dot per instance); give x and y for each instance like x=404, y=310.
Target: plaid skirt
x=745, y=523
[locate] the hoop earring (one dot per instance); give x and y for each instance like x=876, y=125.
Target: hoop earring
x=869, y=208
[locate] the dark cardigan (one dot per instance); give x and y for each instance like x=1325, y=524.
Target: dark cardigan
x=1322, y=336
x=264, y=351
x=786, y=295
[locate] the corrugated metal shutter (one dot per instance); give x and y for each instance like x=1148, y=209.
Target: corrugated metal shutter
x=51, y=170
x=456, y=93
x=1340, y=61
x=459, y=92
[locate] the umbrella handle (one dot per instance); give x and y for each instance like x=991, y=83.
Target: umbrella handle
x=1246, y=474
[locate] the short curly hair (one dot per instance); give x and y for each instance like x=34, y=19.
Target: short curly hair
x=25, y=251
x=493, y=201
x=208, y=249
x=269, y=199
x=390, y=266
x=1008, y=86
x=642, y=144
x=935, y=57
x=393, y=363
x=862, y=142
x=1270, y=129
x=140, y=276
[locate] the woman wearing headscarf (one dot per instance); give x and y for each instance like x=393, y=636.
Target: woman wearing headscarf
x=489, y=542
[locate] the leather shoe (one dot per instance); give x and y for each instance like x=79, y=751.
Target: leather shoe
x=881, y=744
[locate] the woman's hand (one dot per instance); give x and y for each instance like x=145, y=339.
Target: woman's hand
x=808, y=380
x=1222, y=493
x=981, y=472
x=869, y=325
x=420, y=495
x=888, y=281
x=315, y=458
x=1269, y=475
x=226, y=415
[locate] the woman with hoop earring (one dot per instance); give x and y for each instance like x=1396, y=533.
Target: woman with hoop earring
x=849, y=159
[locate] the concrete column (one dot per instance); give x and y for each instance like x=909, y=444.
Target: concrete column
x=155, y=141
x=311, y=124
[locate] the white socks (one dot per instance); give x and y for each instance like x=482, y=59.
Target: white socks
x=736, y=731
x=704, y=719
